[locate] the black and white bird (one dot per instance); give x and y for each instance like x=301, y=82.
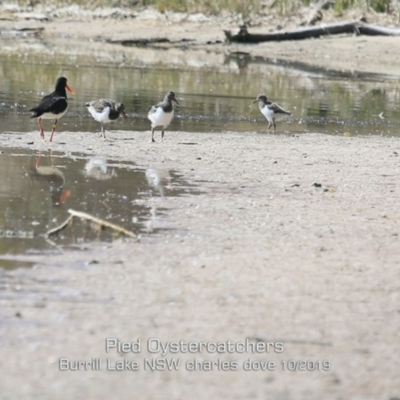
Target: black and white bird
x=271, y=111
x=105, y=111
x=162, y=114
x=53, y=106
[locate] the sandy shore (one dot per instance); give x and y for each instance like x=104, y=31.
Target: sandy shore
x=262, y=254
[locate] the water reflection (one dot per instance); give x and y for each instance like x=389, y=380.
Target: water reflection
x=37, y=189
x=50, y=178
x=211, y=99
x=159, y=179
x=97, y=168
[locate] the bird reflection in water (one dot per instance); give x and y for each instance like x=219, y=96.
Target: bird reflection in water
x=51, y=178
x=159, y=179
x=97, y=168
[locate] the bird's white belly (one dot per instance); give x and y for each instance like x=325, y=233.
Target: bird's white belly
x=161, y=118
x=52, y=116
x=269, y=114
x=100, y=116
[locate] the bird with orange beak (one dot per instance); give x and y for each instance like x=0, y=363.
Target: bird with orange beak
x=53, y=106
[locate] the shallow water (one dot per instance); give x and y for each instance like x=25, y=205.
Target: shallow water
x=211, y=99
x=38, y=188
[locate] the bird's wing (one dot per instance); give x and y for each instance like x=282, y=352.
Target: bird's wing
x=276, y=108
x=100, y=105
x=50, y=103
x=153, y=110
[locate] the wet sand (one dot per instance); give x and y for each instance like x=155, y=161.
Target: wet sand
x=294, y=240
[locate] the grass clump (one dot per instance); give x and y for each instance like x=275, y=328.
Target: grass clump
x=382, y=6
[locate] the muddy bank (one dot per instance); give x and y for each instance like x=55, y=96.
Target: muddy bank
x=197, y=40
x=294, y=240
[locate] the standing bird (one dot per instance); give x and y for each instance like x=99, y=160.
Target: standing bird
x=161, y=114
x=53, y=106
x=105, y=111
x=271, y=111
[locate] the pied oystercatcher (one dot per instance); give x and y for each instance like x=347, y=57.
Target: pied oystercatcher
x=105, y=111
x=53, y=106
x=162, y=114
x=271, y=111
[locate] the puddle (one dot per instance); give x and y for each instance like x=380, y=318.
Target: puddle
x=211, y=99
x=15, y=263
x=38, y=188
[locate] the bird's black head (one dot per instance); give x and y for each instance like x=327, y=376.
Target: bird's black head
x=261, y=97
x=61, y=85
x=120, y=108
x=170, y=96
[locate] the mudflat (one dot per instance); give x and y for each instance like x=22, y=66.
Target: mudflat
x=199, y=41
x=278, y=281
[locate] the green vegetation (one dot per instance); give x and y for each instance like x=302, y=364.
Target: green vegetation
x=381, y=6
x=214, y=7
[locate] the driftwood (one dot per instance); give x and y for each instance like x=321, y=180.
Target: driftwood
x=358, y=27
x=25, y=32
x=147, y=42
x=139, y=42
x=100, y=222
x=59, y=228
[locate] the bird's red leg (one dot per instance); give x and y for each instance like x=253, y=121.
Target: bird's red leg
x=53, y=130
x=41, y=127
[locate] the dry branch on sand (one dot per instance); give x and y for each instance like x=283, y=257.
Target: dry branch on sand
x=357, y=27
x=85, y=216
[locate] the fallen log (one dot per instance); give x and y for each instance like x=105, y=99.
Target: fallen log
x=374, y=30
x=357, y=27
